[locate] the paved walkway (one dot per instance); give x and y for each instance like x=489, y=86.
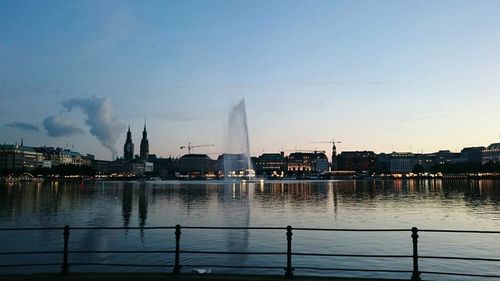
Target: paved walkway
x=170, y=277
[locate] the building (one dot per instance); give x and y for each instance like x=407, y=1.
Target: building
x=18, y=157
x=234, y=164
x=196, y=165
x=473, y=154
x=144, y=145
x=61, y=156
x=359, y=161
x=402, y=162
x=334, y=157
x=128, y=147
x=491, y=154
x=307, y=163
x=271, y=164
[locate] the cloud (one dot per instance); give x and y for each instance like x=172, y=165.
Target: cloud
x=57, y=126
x=23, y=126
x=103, y=125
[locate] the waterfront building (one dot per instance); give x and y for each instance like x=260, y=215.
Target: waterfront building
x=271, y=164
x=491, y=154
x=359, y=161
x=307, y=163
x=15, y=157
x=473, y=154
x=402, y=162
x=166, y=167
x=144, y=145
x=196, y=165
x=61, y=156
x=128, y=147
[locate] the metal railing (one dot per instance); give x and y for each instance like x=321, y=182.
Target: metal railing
x=289, y=268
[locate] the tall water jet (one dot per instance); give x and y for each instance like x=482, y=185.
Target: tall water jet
x=237, y=161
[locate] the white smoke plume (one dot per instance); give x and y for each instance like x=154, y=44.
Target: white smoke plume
x=57, y=126
x=103, y=125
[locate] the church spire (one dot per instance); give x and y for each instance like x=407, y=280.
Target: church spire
x=144, y=144
x=128, y=148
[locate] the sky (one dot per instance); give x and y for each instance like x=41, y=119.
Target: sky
x=376, y=75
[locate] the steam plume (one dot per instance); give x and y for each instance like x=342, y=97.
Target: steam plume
x=56, y=126
x=103, y=125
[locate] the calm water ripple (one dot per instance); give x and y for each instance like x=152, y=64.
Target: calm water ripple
x=427, y=204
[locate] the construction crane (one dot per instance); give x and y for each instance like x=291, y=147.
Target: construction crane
x=334, y=151
x=189, y=146
x=305, y=150
x=332, y=142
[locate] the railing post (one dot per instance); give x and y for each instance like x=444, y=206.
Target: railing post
x=177, y=267
x=65, y=265
x=415, y=276
x=289, y=268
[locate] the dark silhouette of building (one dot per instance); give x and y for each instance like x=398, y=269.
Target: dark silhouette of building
x=334, y=157
x=473, y=154
x=271, y=164
x=359, y=161
x=128, y=148
x=144, y=145
x=196, y=165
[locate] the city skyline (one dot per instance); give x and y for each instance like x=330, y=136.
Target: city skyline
x=383, y=75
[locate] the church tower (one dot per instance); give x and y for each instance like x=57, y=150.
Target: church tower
x=144, y=145
x=334, y=157
x=128, y=148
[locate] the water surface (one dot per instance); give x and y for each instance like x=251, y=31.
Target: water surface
x=426, y=204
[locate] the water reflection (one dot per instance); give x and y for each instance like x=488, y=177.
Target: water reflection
x=453, y=204
x=127, y=198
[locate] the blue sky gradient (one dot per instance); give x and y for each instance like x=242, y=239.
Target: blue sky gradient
x=378, y=75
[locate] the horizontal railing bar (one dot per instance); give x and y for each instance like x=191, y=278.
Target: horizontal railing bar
x=29, y=264
x=31, y=253
x=122, y=228
x=353, y=229
x=232, y=266
x=231, y=253
x=457, y=258
x=31, y=228
x=459, y=231
x=122, y=252
x=351, y=255
x=254, y=228
x=459, y=274
x=121, y=264
x=351, y=269
x=236, y=227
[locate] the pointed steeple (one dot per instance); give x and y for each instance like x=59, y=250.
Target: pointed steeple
x=128, y=148
x=144, y=144
x=22, y=142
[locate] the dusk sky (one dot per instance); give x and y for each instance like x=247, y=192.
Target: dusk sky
x=377, y=75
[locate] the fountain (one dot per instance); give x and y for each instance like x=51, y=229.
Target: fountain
x=237, y=161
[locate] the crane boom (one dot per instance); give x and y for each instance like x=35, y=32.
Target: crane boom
x=189, y=146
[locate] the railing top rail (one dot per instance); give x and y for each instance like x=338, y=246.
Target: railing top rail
x=459, y=231
x=354, y=229
x=255, y=228
x=120, y=227
x=236, y=227
x=30, y=228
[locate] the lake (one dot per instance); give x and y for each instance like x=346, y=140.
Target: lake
x=426, y=204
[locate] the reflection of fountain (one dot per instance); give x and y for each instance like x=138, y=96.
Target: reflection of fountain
x=237, y=162
x=236, y=199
